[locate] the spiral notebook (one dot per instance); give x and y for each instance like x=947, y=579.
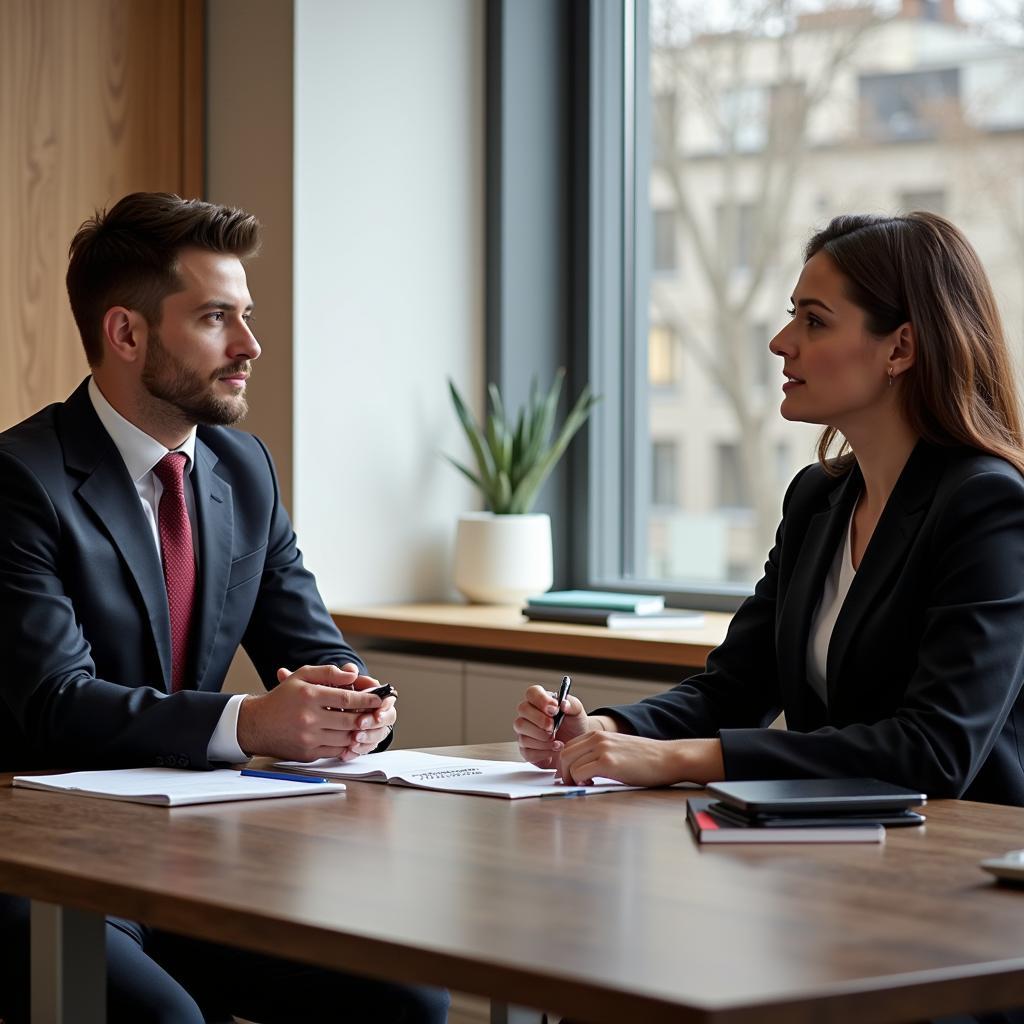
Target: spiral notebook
x=512, y=780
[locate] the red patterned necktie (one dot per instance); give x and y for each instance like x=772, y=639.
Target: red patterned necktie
x=178, y=558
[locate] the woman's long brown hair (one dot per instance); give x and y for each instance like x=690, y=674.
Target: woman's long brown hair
x=919, y=269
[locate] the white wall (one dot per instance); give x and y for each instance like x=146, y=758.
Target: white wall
x=388, y=287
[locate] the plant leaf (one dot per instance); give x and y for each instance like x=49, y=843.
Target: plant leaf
x=514, y=463
x=526, y=492
x=502, y=495
x=469, y=474
x=500, y=442
x=475, y=436
x=529, y=416
x=518, y=445
x=543, y=416
x=499, y=432
x=496, y=403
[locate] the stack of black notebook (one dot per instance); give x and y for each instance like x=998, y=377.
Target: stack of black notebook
x=802, y=810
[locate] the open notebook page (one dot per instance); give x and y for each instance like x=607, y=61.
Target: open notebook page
x=512, y=780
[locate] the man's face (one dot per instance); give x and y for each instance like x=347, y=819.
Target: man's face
x=200, y=357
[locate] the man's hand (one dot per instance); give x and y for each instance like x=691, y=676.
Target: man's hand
x=315, y=711
x=534, y=726
x=638, y=761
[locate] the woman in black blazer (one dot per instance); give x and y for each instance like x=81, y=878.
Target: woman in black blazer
x=889, y=623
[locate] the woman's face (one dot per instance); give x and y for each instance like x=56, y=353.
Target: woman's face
x=835, y=369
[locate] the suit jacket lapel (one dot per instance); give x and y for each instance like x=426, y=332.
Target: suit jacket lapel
x=109, y=491
x=824, y=531
x=900, y=520
x=215, y=512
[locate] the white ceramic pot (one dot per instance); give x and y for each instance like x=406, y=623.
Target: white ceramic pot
x=502, y=559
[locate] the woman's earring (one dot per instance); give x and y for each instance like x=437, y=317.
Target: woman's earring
x=891, y=378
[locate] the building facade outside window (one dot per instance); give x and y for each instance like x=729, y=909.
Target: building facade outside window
x=764, y=120
x=664, y=234
x=664, y=473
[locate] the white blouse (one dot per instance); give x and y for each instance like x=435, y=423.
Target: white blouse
x=837, y=585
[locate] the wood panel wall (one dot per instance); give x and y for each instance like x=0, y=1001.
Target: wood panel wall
x=98, y=98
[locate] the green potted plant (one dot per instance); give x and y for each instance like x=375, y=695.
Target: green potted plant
x=503, y=555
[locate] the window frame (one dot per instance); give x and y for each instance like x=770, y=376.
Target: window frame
x=611, y=244
x=565, y=250
x=608, y=53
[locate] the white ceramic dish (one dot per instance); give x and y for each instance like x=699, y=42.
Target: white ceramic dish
x=1009, y=867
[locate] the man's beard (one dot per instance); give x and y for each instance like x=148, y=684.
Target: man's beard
x=166, y=377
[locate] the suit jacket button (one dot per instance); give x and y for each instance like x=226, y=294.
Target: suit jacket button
x=183, y=762
x=159, y=762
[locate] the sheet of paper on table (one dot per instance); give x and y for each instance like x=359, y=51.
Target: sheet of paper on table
x=512, y=780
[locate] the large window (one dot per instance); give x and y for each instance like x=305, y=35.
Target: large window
x=744, y=126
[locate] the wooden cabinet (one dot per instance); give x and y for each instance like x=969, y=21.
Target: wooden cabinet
x=430, y=694
x=492, y=693
x=447, y=701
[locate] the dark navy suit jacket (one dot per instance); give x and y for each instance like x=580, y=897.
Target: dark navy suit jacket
x=85, y=650
x=926, y=659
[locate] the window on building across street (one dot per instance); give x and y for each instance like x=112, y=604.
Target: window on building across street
x=909, y=105
x=736, y=230
x=733, y=491
x=662, y=357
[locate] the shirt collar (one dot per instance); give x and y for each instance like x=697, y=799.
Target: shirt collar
x=139, y=451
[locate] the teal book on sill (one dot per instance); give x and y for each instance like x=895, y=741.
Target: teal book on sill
x=606, y=600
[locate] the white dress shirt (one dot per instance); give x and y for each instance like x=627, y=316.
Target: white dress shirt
x=837, y=586
x=141, y=453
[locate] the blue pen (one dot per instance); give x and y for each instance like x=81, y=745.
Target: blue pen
x=255, y=773
x=567, y=792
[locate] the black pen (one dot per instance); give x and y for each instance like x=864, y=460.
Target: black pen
x=563, y=692
x=384, y=691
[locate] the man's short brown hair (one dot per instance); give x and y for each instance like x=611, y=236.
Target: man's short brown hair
x=128, y=255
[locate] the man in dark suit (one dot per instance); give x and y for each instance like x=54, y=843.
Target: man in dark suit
x=141, y=542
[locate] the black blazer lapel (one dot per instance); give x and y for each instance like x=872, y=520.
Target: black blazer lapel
x=110, y=493
x=215, y=527
x=823, y=533
x=883, y=557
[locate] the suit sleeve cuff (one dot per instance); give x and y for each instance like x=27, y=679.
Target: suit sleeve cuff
x=224, y=741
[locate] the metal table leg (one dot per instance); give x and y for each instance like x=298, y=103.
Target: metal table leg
x=69, y=965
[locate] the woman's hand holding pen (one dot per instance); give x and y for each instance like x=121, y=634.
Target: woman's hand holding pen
x=584, y=747
x=539, y=743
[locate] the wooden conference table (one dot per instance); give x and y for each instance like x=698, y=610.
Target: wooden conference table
x=601, y=907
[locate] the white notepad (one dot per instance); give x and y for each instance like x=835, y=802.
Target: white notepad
x=172, y=787
x=512, y=780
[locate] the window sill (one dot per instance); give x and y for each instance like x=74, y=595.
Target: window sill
x=503, y=628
